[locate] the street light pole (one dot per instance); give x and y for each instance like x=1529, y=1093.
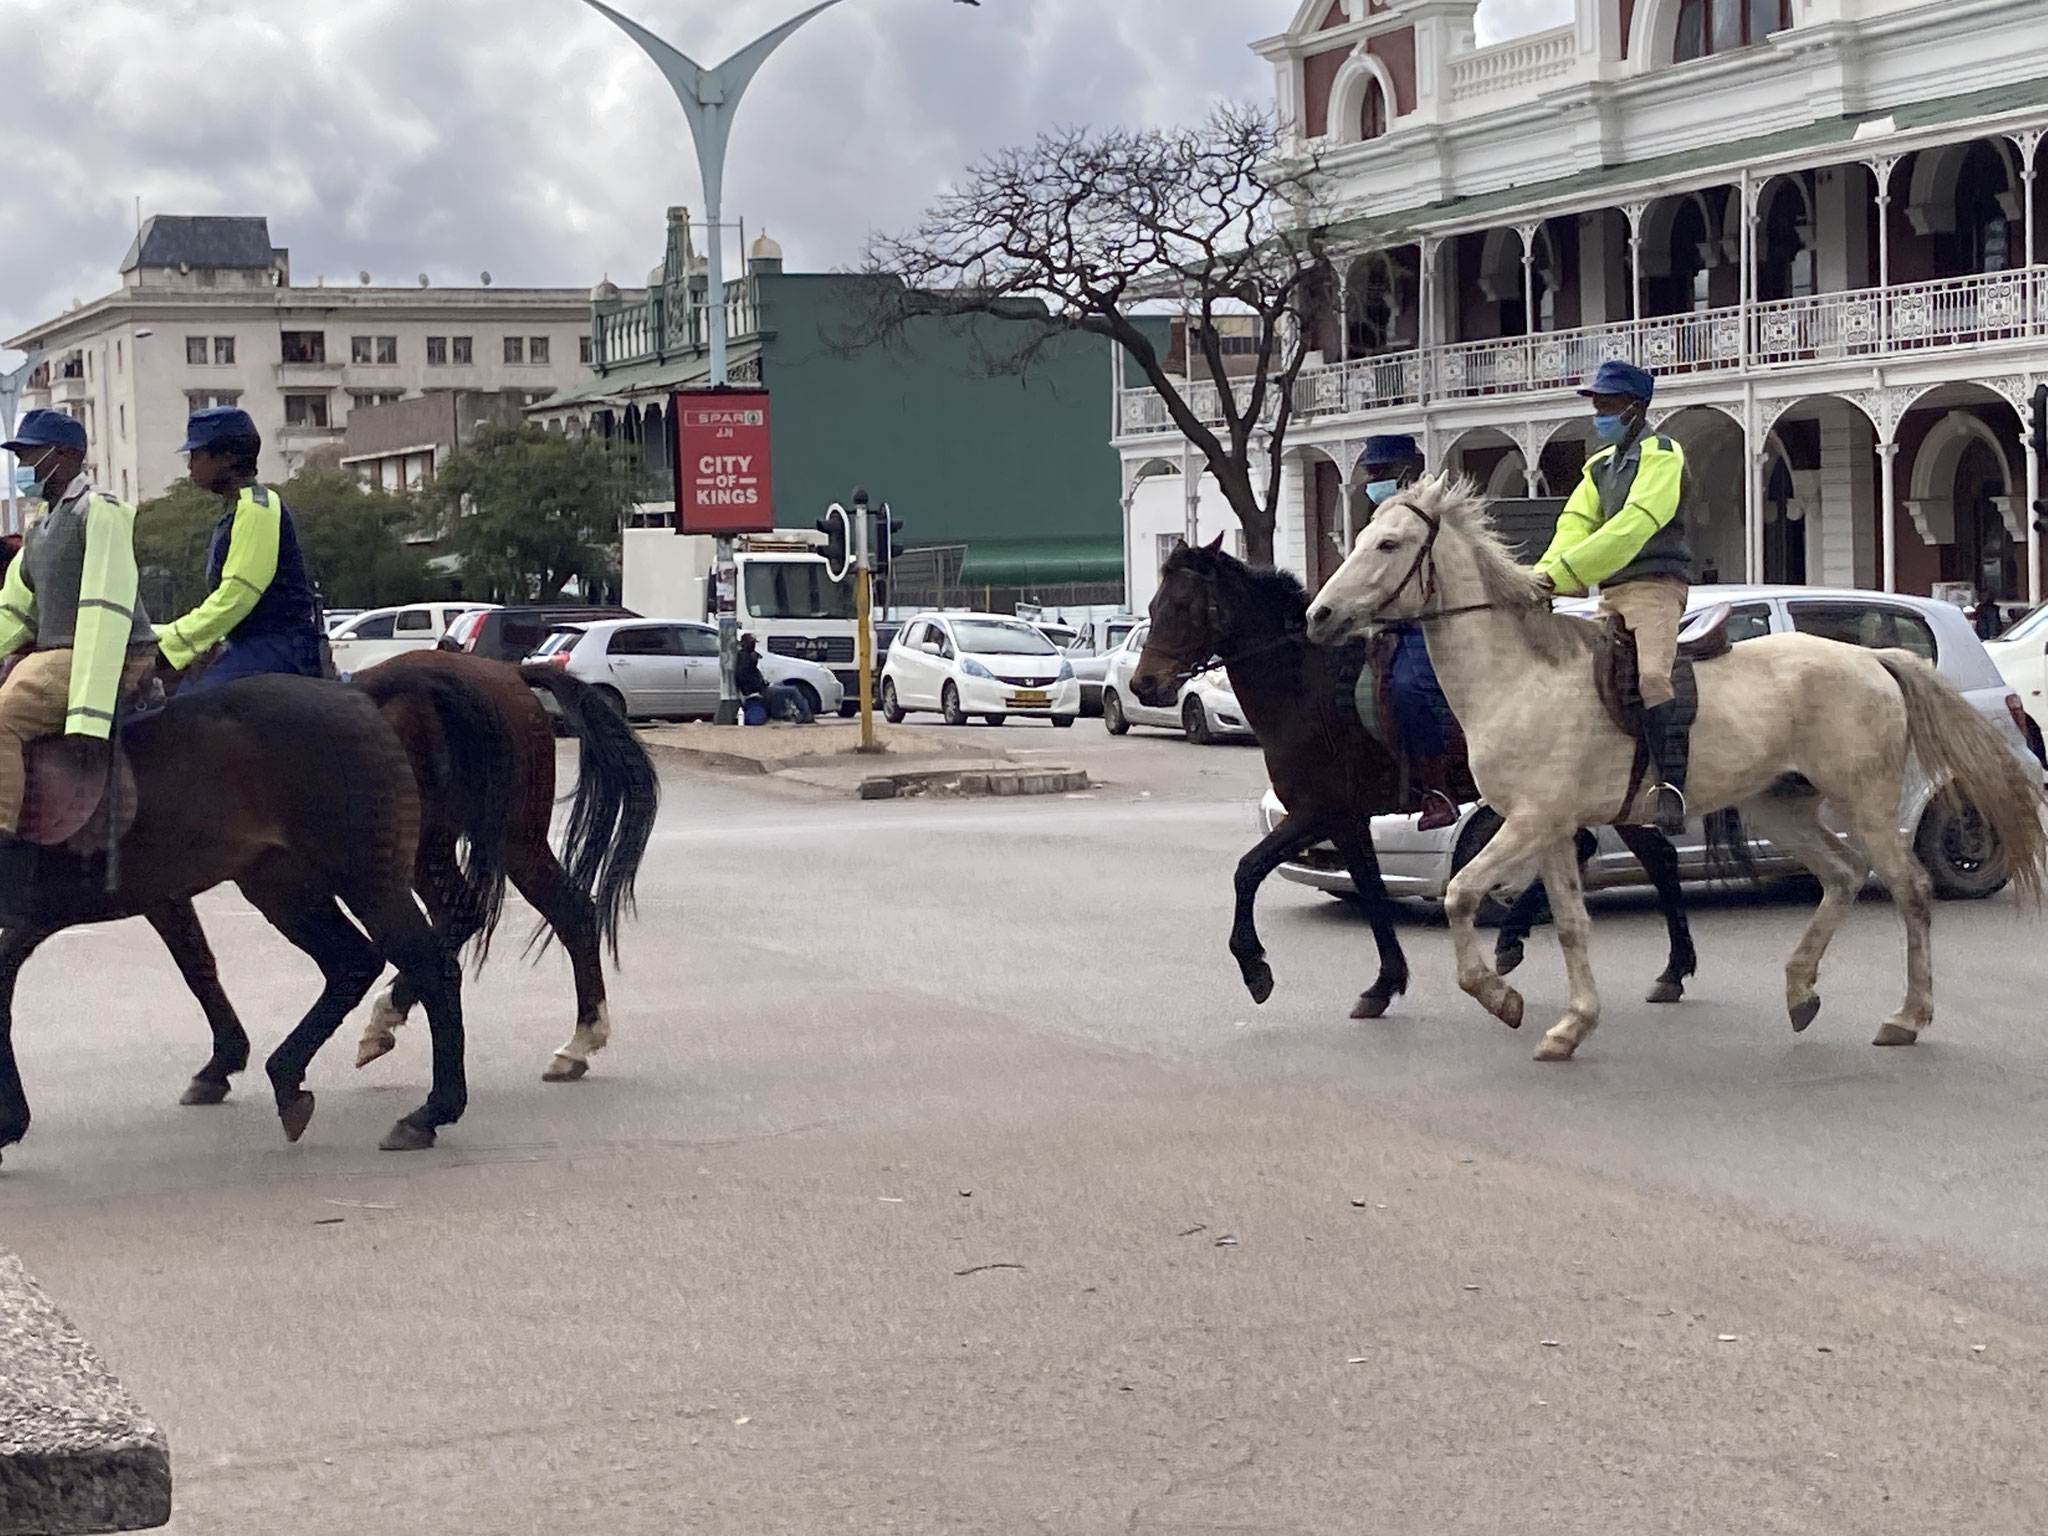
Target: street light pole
x=709, y=98
x=11, y=386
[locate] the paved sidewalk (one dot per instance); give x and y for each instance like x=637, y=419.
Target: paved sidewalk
x=827, y=756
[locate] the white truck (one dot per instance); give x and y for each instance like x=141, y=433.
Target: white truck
x=787, y=598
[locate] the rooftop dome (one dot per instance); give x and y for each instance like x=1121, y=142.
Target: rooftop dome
x=764, y=249
x=604, y=291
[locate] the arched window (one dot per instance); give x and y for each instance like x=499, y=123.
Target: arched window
x=1372, y=112
x=1722, y=26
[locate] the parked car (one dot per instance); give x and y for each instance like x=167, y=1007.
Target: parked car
x=1948, y=840
x=2021, y=656
x=513, y=633
x=1205, y=709
x=656, y=670
x=383, y=633
x=986, y=664
x=1090, y=650
x=332, y=619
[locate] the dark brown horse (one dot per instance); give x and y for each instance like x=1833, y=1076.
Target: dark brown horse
x=581, y=904
x=1332, y=776
x=299, y=792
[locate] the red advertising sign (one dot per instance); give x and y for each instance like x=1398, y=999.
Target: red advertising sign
x=721, y=457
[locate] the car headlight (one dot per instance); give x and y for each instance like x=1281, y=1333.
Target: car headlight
x=974, y=668
x=1066, y=672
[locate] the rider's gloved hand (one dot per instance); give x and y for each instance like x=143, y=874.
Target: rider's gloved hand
x=1546, y=584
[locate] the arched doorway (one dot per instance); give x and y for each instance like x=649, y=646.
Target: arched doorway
x=1986, y=553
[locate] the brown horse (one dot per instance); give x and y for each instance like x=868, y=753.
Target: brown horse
x=299, y=792
x=609, y=824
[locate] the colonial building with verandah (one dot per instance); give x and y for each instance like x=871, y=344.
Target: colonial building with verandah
x=1820, y=222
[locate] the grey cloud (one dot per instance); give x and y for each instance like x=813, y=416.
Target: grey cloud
x=531, y=139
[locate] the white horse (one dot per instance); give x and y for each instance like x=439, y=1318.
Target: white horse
x=1785, y=723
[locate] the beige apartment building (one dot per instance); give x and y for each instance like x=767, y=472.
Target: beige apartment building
x=207, y=314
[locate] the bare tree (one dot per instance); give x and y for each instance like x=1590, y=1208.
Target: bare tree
x=1089, y=231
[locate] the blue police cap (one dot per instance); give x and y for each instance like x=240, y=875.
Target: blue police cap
x=1618, y=378
x=218, y=427
x=1390, y=450
x=47, y=429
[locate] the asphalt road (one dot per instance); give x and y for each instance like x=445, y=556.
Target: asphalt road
x=900, y=1203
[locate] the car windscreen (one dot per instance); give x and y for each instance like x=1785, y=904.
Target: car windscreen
x=796, y=589
x=982, y=638
x=2029, y=627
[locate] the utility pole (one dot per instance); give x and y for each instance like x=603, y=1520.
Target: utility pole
x=863, y=608
x=11, y=386
x=709, y=98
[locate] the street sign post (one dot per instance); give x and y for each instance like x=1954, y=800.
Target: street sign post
x=723, y=486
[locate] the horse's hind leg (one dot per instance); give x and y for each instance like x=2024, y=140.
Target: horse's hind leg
x=301, y=908
x=16, y=945
x=539, y=877
x=435, y=872
x=1359, y=857
x=1510, y=945
x=1913, y=894
x=1574, y=936
x=1659, y=859
x=1274, y=849
x=177, y=924
x=1790, y=818
x=403, y=936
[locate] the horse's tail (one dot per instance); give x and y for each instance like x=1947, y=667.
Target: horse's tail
x=617, y=795
x=1729, y=854
x=1960, y=751
x=465, y=755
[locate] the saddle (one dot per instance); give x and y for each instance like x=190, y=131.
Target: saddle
x=1701, y=637
x=65, y=803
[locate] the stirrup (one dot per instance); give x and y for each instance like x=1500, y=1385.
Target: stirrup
x=1667, y=809
x=1439, y=810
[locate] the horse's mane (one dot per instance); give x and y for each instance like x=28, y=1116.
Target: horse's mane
x=1278, y=595
x=1508, y=584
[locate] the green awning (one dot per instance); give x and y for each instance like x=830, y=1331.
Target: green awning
x=1041, y=562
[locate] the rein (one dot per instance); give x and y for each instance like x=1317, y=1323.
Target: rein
x=1424, y=565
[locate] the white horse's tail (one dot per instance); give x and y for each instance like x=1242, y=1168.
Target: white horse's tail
x=1956, y=746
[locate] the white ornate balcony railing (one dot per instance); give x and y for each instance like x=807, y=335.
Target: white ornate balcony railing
x=1506, y=66
x=1862, y=323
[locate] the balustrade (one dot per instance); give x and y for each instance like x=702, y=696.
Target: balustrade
x=666, y=325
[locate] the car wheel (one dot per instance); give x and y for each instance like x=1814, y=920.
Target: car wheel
x=891, y=710
x=1195, y=721
x=1063, y=721
x=810, y=696
x=995, y=719
x=1113, y=713
x=613, y=697
x=1959, y=850
x=949, y=706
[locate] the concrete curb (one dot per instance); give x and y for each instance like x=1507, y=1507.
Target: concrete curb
x=1001, y=781
x=77, y=1454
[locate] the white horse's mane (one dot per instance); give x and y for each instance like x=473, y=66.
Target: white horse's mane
x=1458, y=506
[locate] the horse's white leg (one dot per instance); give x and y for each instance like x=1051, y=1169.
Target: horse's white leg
x=572, y=1061
x=1574, y=936
x=380, y=1035
x=1913, y=894
x=1512, y=846
x=1791, y=820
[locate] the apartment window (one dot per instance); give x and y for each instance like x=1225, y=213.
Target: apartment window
x=1721, y=26
x=387, y=349
x=223, y=349
x=305, y=410
x=359, y=349
x=207, y=399
x=195, y=349
x=461, y=351
x=537, y=349
x=73, y=367
x=515, y=349
x=124, y=485
x=373, y=349
x=437, y=351
x=120, y=365
x=583, y=353
x=305, y=346
x=121, y=415
x=361, y=398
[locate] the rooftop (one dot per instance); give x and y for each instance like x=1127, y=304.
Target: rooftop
x=203, y=240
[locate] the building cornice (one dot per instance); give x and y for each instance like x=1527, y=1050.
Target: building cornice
x=139, y=304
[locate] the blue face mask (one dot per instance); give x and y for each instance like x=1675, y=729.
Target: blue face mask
x=1610, y=429
x=29, y=482
x=1378, y=491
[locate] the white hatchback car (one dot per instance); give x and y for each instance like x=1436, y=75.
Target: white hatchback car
x=665, y=670
x=964, y=664
x=1949, y=843
x=1206, y=708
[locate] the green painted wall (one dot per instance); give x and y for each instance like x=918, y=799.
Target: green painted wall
x=960, y=455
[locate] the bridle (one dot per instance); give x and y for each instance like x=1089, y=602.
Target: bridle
x=1424, y=567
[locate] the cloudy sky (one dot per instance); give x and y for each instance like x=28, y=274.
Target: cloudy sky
x=529, y=138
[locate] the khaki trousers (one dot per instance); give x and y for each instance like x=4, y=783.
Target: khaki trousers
x=1652, y=607
x=33, y=702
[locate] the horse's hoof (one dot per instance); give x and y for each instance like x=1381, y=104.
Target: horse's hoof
x=406, y=1137
x=1258, y=980
x=1551, y=1048
x=200, y=1091
x=1507, y=957
x=564, y=1069
x=1809, y=1010
x=296, y=1116
x=1510, y=1010
x=1370, y=1005
x=1895, y=1034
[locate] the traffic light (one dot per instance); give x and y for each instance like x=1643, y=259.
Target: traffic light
x=888, y=528
x=833, y=526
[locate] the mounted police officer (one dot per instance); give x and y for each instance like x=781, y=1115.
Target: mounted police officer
x=1624, y=531
x=1428, y=729
x=71, y=591
x=262, y=610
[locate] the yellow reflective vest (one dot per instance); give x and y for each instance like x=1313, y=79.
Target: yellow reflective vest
x=74, y=586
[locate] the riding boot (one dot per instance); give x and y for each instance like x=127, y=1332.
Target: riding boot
x=1670, y=749
x=1439, y=807
x=17, y=879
